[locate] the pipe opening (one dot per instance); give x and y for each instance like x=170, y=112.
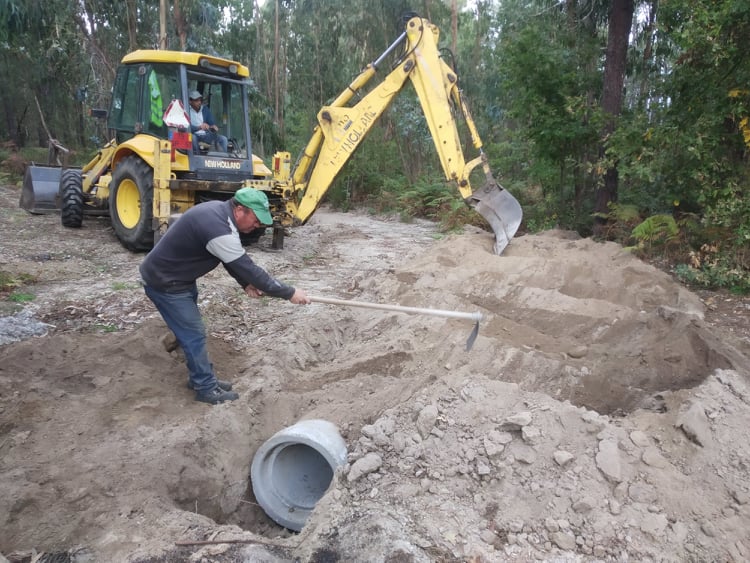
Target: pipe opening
x=293, y=469
x=300, y=476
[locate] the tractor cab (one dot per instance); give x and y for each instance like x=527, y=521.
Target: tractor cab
x=151, y=171
x=148, y=81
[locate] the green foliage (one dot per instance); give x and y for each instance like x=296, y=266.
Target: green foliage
x=705, y=256
x=21, y=297
x=627, y=214
x=655, y=231
x=712, y=276
x=531, y=72
x=266, y=137
x=375, y=165
x=10, y=282
x=620, y=221
x=546, y=92
x=123, y=286
x=429, y=198
x=13, y=162
x=426, y=198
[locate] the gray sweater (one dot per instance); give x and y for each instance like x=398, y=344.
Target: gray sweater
x=204, y=237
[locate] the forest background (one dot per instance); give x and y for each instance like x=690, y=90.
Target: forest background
x=627, y=120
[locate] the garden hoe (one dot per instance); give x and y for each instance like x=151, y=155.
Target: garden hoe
x=412, y=310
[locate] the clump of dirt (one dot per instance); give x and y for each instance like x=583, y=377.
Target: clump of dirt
x=599, y=415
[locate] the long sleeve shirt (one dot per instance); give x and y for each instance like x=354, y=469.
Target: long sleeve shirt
x=204, y=237
x=198, y=118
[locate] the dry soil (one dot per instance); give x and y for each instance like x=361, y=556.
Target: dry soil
x=601, y=415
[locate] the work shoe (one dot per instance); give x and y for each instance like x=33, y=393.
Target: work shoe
x=216, y=396
x=223, y=385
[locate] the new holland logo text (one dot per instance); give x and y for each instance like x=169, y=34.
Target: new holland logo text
x=229, y=164
x=349, y=137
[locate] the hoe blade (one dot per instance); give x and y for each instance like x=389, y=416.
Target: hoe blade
x=501, y=210
x=40, y=188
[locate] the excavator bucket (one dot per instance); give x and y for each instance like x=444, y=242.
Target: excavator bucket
x=501, y=210
x=41, y=185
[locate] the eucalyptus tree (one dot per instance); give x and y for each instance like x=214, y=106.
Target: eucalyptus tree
x=39, y=75
x=618, y=31
x=546, y=70
x=701, y=144
x=326, y=46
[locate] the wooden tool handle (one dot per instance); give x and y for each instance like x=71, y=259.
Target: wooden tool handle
x=399, y=308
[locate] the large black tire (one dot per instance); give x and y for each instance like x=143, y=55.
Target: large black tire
x=71, y=198
x=131, y=195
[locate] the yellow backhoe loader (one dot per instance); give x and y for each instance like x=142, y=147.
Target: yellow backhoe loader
x=151, y=171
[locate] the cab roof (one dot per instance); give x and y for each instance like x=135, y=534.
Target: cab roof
x=200, y=60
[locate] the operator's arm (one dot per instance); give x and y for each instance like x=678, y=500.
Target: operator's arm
x=241, y=267
x=299, y=298
x=208, y=118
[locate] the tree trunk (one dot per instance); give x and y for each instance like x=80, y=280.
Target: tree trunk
x=262, y=52
x=163, y=9
x=180, y=24
x=282, y=91
x=131, y=9
x=648, y=49
x=88, y=29
x=11, y=122
x=276, y=70
x=620, y=23
x=454, y=26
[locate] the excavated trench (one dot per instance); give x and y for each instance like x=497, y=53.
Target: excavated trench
x=357, y=365
x=611, y=378
x=102, y=443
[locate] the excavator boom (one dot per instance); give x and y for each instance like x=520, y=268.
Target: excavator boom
x=150, y=172
x=342, y=127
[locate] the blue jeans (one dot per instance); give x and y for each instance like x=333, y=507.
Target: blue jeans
x=180, y=312
x=210, y=137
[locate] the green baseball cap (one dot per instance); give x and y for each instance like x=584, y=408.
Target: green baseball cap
x=257, y=201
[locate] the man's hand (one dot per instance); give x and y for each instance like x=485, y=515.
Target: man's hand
x=300, y=297
x=253, y=292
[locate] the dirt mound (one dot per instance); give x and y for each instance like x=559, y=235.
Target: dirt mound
x=599, y=415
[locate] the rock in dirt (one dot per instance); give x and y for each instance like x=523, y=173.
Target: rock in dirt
x=654, y=525
x=608, y=460
x=652, y=456
x=694, y=423
x=426, y=420
x=367, y=464
x=517, y=421
x=21, y=326
x=564, y=540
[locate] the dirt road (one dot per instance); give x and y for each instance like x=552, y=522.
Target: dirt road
x=601, y=415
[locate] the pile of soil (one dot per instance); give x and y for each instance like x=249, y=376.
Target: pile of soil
x=600, y=415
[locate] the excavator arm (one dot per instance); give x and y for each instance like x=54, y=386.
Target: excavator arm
x=341, y=128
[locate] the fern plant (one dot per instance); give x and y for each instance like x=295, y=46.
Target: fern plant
x=657, y=230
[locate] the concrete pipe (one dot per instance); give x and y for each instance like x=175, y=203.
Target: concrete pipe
x=293, y=469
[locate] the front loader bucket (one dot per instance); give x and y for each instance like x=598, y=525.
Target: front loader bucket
x=501, y=210
x=41, y=185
